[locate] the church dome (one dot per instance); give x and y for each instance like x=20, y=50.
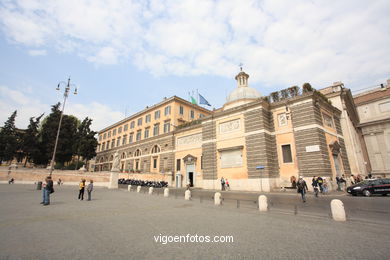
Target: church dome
x=243, y=93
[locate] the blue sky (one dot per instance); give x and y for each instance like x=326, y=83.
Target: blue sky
x=125, y=55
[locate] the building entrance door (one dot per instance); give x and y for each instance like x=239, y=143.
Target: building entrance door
x=190, y=169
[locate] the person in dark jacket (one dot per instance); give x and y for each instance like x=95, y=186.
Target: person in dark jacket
x=90, y=189
x=47, y=190
x=302, y=188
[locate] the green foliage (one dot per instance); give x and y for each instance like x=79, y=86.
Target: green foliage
x=9, y=139
x=275, y=96
x=30, y=140
x=306, y=87
x=187, y=124
x=85, y=142
x=284, y=94
x=294, y=91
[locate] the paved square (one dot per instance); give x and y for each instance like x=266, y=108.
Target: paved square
x=118, y=224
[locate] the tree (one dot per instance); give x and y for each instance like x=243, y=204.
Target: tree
x=30, y=140
x=8, y=139
x=306, y=87
x=85, y=141
x=66, y=138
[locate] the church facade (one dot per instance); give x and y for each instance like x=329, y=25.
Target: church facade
x=257, y=143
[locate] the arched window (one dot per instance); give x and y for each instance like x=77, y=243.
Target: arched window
x=137, y=153
x=111, y=158
x=155, y=149
x=123, y=156
x=101, y=159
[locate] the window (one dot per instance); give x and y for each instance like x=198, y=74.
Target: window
x=167, y=110
x=138, y=137
x=146, y=133
x=109, y=134
x=181, y=110
x=327, y=120
x=155, y=163
x=112, y=143
x=231, y=158
x=114, y=132
x=201, y=115
x=119, y=130
x=108, y=145
x=118, y=141
x=156, y=129
x=103, y=146
x=147, y=118
x=100, y=137
x=137, y=165
x=286, y=151
x=178, y=164
x=137, y=153
x=155, y=149
x=132, y=124
x=192, y=114
x=167, y=127
x=157, y=114
x=124, y=140
x=104, y=136
x=125, y=127
x=282, y=120
x=139, y=121
x=131, y=138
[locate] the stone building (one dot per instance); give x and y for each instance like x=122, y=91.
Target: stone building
x=374, y=111
x=342, y=99
x=254, y=142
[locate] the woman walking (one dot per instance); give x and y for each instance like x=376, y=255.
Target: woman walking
x=81, y=189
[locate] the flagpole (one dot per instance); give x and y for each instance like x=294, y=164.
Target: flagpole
x=197, y=97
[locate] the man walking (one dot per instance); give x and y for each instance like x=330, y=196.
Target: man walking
x=302, y=188
x=47, y=190
x=222, y=183
x=320, y=182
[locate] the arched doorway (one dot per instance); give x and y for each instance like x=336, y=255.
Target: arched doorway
x=190, y=163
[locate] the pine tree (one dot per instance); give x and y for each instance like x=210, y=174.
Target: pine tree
x=30, y=140
x=8, y=139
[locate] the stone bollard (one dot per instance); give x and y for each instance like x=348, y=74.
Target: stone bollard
x=263, y=203
x=217, y=198
x=166, y=192
x=187, y=195
x=150, y=190
x=139, y=189
x=338, y=211
x=128, y=187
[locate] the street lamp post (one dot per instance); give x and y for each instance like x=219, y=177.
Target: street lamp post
x=66, y=94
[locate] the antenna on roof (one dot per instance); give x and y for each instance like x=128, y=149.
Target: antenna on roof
x=240, y=66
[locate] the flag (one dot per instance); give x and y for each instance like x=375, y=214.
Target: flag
x=193, y=100
x=202, y=100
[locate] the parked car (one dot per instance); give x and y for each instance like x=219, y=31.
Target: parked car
x=369, y=187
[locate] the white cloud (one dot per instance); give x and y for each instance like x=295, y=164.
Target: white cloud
x=37, y=52
x=279, y=42
x=27, y=106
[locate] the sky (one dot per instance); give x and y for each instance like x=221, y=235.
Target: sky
x=124, y=55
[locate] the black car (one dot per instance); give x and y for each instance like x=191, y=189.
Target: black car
x=369, y=187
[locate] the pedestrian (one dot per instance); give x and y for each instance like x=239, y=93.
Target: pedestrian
x=59, y=182
x=343, y=182
x=11, y=181
x=338, y=181
x=352, y=179
x=47, y=190
x=222, y=183
x=320, y=181
x=302, y=188
x=227, y=184
x=325, y=186
x=314, y=183
x=90, y=189
x=81, y=189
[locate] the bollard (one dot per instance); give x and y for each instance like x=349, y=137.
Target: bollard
x=128, y=187
x=166, y=192
x=338, y=211
x=150, y=190
x=187, y=195
x=217, y=198
x=139, y=189
x=263, y=204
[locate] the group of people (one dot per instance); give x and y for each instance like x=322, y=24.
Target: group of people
x=319, y=184
x=225, y=184
x=82, y=189
x=48, y=188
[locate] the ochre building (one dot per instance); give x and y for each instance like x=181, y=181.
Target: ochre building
x=254, y=142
